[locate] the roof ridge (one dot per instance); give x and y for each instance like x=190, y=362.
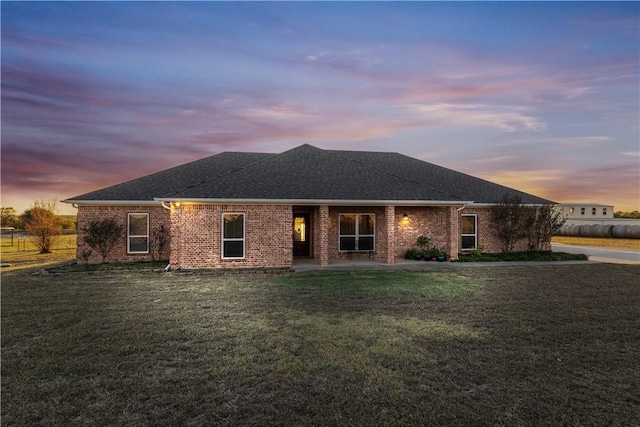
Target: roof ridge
x=242, y=167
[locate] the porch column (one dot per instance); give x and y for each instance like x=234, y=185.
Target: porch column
x=390, y=228
x=454, y=232
x=324, y=234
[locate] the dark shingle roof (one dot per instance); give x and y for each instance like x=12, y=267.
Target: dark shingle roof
x=309, y=173
x=158, y=184
x=462, y=186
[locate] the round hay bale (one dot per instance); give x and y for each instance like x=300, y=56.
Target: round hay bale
x=619, y=231
x=632, y=232
x=586, y=230
x=570, y=230
x=602, y=230
x=561, y=231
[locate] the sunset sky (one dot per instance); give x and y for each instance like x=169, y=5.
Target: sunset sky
x=543, y=97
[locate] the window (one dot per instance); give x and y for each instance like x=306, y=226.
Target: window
x=138, y=233
x=571, y=210
x=604, y=211
x=593, y=211
x=468, y=227
x=582, y=211
x=233, y=235
x=357, y=232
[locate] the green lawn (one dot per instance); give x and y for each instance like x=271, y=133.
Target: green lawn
x=22, y=253
x=534, y=345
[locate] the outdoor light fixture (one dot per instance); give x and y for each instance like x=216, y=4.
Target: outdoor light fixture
x=405, y=218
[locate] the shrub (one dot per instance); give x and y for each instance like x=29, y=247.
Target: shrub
x=102, y=235
x=159, y=243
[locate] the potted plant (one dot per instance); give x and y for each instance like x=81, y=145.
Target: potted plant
x=441, y=255
x=413, y=253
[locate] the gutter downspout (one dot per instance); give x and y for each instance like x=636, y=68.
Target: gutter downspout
x=460, y=208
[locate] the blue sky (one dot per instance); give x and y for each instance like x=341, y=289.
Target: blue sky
x=543, y=97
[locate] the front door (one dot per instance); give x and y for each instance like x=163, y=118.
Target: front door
x=301, y=234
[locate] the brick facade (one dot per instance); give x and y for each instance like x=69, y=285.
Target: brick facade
x=442, y=226
x=197, y=236
x=159, y=223
x=433, y=222
x=195, y=232
x=487, y=236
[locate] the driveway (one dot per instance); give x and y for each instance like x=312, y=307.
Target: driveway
x=619, y=256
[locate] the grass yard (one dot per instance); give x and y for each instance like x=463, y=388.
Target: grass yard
x=23, y=254
x=534, y=345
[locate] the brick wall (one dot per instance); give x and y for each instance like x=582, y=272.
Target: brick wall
x=433, y=222
x=197, y=236
x=441, y=225
x=158, y=217
x=196, y=240
x=487, y=236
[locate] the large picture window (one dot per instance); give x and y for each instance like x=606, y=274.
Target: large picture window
x=138, y=233
x=468, y=227
x=357, y=232
x=232, y=235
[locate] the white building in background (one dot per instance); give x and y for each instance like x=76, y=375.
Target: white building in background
x=591, y=213
x=585, y=211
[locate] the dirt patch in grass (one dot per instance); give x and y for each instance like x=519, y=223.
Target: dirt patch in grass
x=535, y=345
x=523, y=256
x=598, y=242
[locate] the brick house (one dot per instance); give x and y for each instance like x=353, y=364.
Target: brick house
x=266, y=210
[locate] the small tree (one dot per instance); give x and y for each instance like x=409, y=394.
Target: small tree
x=541, y=222
x=508, y=220
x=102, y=235
x=159, y=243
x=42, y=224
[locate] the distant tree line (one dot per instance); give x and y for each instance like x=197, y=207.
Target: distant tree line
x=9, y=218
x=631, y=215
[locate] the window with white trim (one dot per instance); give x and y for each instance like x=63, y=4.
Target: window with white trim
x=604, y=211
x=357, y=232
x=593, y=211
x=138, y=233
x=469, y=233
x=233, y=242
